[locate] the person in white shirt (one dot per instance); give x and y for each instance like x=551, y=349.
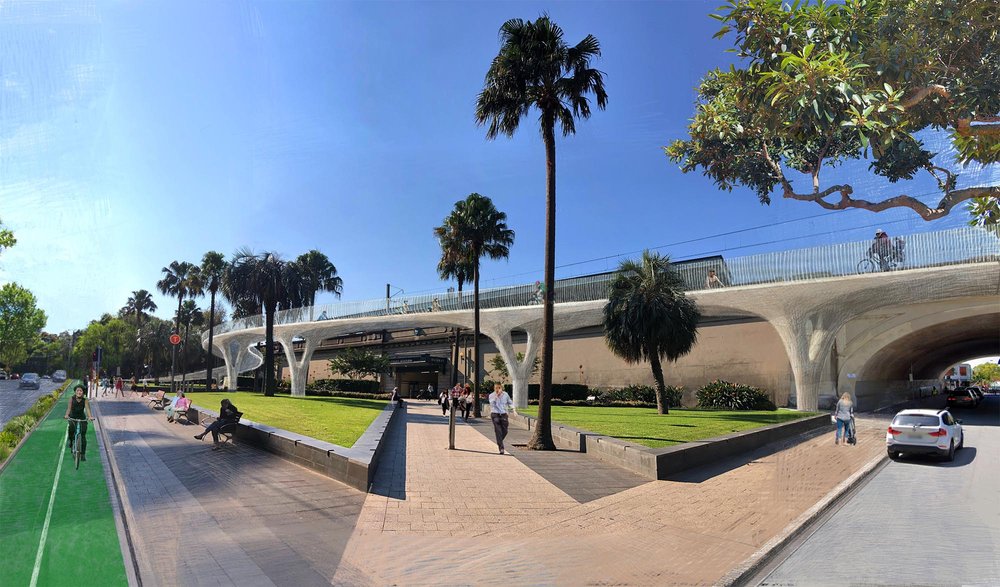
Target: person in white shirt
x=844, y=414
x=500, y=404
x=713, y=281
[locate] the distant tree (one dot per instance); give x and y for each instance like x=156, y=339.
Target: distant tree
x=500, y=367
x=259, y=280
x=455, y=263
x=21, y=322
x=536, y=68
x=7, y=239
x=317, y=273
x=355, y=362
x=213, y=268
x=482, y=229
x=822, y=83
x=139, y=305
x=986, y=373
x=191, y=315
x=648, y=317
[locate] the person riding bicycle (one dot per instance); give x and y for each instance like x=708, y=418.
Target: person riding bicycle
x=881, y=249
x=78, y=409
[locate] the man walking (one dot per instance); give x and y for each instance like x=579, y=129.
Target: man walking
x=500, y=404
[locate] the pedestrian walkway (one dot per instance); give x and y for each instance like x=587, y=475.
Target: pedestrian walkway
x=435, y=516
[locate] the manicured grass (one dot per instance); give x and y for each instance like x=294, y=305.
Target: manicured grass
x=644, y=426
x=339, y=420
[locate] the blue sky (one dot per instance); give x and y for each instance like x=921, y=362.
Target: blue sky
x=137, y=133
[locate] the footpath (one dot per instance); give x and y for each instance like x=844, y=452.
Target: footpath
x=58, y=523
x=470, y=516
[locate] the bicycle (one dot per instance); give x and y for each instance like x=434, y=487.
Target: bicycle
x=77, y=436
x=875, y=263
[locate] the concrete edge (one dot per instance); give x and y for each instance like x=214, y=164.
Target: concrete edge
x=354, y=466
x=119, y=503
x=659, y=463
x=753, y=564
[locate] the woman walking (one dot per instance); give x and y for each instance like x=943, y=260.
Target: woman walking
x=444, y=402
x=844, y=414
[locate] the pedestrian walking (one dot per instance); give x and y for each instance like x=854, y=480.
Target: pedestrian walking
x=500, y=404
x=443, y=400
x=843, y=414
x=119, y=387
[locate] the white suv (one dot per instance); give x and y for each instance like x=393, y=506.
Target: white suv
x=924, y=432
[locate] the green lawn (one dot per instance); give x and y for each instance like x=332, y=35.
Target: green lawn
x=339, y=420
x=644, y=426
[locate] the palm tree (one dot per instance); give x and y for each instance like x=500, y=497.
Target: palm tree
x=213, y=266
x=190, y=314
x=253, y=279
x=138, y=305
x=455, y=263
x=481, y=230
x=535, y=67
x=317, y=273
x=180, y=278
x=648, y=317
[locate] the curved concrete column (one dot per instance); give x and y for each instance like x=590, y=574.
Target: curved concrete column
x=808, y=339
x=520, y=371
x=239, y=355
x=298, y=368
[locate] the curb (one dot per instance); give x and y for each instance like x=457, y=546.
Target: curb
x=765, y=554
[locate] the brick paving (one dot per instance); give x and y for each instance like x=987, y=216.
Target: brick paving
x=462, y=517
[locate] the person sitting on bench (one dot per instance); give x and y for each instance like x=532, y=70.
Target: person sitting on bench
x=228, y=414
x=177, y=407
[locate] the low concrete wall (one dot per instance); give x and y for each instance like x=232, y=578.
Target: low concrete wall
x=659, y=463
x=354, y=466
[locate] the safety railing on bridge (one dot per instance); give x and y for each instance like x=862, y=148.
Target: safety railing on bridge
x=949, y=247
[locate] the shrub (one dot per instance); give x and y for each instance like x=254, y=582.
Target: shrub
x=20, y=425
x=4, y=452
x=352, y=385
x=639, y=395
x=561, y=391
x=721, y=394
x=8, y=439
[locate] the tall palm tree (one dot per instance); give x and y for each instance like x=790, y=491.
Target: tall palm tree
x=535, y=67
x=213, y=266
x=190, y=314
x=455, y=264
x=317, y=273
x=138, y=304
x=482, y=231
x=180, y=278
x=648, y=317
x=258, y=279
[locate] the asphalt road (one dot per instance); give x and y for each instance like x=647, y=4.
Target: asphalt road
x=919, y=521
x=14, y=401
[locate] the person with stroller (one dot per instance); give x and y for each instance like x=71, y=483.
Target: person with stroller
x=844, y=416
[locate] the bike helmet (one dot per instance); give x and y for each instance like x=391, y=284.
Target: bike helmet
x=879, y=231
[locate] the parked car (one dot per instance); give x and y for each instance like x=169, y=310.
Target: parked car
x=46, y=377
x=30, y=381
x=3, y=374
x=934, y=432
x=59, y=376
x=962, y=397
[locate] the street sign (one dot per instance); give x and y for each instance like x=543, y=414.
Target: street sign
x=175, y=339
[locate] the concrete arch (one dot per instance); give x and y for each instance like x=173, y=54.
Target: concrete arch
x=899, y=349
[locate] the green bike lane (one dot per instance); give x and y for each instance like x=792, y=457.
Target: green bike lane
x=62, y=539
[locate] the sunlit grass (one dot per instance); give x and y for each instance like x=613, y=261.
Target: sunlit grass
x=339, y=420
x=644, y=426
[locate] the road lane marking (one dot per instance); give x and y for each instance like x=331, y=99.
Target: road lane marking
x=48, y=514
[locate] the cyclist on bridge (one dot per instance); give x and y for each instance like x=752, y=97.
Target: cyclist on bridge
x=78, y=409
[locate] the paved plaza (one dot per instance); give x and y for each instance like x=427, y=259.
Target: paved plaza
x=241, y=516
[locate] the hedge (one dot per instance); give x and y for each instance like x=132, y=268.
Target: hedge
x=721, y=394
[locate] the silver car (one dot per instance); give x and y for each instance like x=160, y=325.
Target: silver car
x=934, y=432
x=30, y=381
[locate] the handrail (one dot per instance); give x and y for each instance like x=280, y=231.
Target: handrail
x=930, y=249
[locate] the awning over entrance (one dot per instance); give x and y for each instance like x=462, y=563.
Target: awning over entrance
x=423, y=362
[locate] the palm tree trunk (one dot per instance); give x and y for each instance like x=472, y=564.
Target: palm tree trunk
x=173, y=347
x=184, y=358
x=541, y=438
x=476, y=413
x=211, y=357
x=662, y=406
x=269, y=351
x=454, y=360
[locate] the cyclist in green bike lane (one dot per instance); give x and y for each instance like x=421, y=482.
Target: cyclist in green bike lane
x=78, y=409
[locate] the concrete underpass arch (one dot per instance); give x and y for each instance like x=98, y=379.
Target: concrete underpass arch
x=887, y=346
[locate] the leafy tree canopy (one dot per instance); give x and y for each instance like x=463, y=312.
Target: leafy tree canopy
x=7, y=239
x=354, y=362
x=986, y=373
x=21, y=322
x=823, y=83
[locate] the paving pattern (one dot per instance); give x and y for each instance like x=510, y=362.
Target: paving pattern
x=455, y=517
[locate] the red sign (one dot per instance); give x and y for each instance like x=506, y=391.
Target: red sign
x=175, y=339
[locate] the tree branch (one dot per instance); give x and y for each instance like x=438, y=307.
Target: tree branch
x=965, y=128
x=949, y=201
x=921, y=93
x=777, y=168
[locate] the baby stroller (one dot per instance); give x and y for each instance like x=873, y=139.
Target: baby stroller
x=851, y=438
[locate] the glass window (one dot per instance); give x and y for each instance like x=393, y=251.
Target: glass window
x=916, y=420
